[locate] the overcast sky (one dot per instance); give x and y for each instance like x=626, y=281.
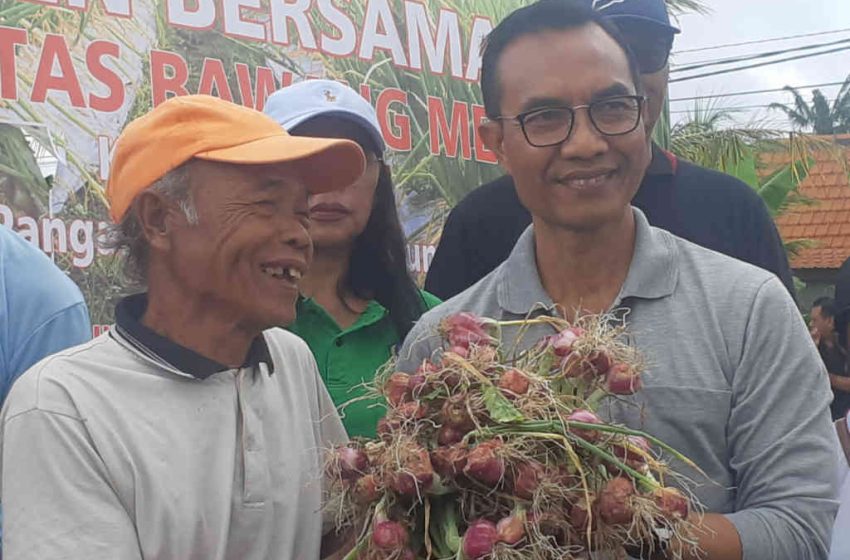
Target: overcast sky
x=736, y=21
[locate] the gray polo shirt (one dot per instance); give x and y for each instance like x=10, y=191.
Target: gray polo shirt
x=111, y=451
x=734, y=381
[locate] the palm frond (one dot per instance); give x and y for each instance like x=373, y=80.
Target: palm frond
x=842, y=99
x=794, y=247
x=679, y=7
x=798, y=120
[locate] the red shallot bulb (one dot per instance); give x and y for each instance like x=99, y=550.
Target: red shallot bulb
x=622, y=379
x=614, y=502
x=479, y=539
x=389, y=535
x=484, y=464
x=514, y=382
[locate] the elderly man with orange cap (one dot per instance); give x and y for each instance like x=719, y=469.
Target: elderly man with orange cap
x=194, y=429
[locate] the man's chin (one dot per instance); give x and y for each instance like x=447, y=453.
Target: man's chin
x=582, y=222
x=281, y=315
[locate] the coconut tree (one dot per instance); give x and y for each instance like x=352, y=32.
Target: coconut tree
x=820, y=116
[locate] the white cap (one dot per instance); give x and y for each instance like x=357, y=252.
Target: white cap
x=300, y=102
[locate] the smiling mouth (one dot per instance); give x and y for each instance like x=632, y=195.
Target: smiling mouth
x=586, y=182
x=286, y=273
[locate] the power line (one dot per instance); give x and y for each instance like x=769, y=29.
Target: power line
x=761, y=41
x=830, y=102
x=755, y=56
x=759, y=65
x=730, y=109
x=753, y=92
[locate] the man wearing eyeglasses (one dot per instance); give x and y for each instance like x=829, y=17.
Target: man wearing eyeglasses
x=734, y=381
x=708, y=208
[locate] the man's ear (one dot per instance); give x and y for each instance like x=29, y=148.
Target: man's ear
x=492, y=133
x=156, y=217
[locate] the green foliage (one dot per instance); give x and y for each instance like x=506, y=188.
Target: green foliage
x=778, y=188
x=819, y=117
x=499, y=407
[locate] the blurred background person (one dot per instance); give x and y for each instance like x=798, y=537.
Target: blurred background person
x=358, y=301
x=822, y=324
x=41, y=310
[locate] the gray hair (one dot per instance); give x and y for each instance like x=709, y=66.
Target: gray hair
x=128, y=236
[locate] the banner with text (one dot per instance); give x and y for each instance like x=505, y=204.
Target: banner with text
x=73, y=73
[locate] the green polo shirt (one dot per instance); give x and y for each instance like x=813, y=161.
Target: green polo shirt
x=347, y=358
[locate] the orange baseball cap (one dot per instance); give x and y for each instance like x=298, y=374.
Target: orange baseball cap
x=206, y=127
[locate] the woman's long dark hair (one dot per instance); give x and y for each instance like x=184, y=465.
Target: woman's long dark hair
x=378, y=265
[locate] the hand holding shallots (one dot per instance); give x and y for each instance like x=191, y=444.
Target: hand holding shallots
x=482, y=455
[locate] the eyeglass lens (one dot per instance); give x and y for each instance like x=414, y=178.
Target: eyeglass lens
x=611, y=117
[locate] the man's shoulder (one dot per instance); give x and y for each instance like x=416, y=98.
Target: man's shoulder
x=23, y=263
x=481, y=299
x=284, y=344
x=294, y=364
x=710, y=270
x=29, y=276
x=714, y=184
x=423, y=339
x=54, y=383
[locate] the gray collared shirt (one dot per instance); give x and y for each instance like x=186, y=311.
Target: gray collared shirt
x=733, y=381
x=109, y=451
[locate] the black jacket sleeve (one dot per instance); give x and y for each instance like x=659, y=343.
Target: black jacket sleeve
x=727, y=215
x=478, y=236
x=768, y=251
x=449, y=273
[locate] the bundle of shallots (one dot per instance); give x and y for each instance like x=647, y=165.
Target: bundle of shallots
x=484, y=455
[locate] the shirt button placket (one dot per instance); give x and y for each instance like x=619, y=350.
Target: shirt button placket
x=256, y=471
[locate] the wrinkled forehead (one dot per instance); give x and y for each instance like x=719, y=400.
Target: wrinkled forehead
x=229, y=181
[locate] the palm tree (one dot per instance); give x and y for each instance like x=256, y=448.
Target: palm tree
x=819, y=117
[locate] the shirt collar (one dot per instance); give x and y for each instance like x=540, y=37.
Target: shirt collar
x=652, y=274
x=661, y=163
x=373, y=313
x=128, y=320
x=519, y=289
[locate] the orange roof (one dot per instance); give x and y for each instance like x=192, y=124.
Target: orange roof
x=826, y=222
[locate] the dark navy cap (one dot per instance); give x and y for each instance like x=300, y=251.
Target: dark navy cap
x=650, y=11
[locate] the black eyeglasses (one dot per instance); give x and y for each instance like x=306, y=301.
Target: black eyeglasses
x=550, y=126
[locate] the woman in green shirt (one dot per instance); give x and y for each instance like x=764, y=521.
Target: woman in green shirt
x=358, y=301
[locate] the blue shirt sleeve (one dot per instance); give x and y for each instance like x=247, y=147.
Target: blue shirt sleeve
x=65, y=328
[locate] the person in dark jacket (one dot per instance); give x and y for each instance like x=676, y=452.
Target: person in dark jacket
x=709, y=208
x=833, y=354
